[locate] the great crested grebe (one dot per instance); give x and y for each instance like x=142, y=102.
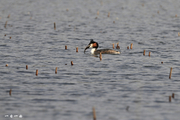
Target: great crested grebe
x=94, y=45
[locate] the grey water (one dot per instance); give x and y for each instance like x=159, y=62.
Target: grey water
x=129, y=86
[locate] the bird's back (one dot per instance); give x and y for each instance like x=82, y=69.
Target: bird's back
x=106, y=51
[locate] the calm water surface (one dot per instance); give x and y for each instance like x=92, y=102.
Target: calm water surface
x=128, y=86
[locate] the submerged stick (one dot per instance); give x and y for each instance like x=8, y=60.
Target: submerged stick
x=56, y=70
x=131, y=46
x=127, y=47
x=97, y=12
x=72, y=63
x=100, y=56
x=108, y=14
x=10, y=92
x=173, y=95
x=144, y=52
x=117, y=47
x=26, y=67
x=5, y=24
x=36, y=72
x=94, y=113
x=54, y=26
x=149, y=54
x=170, y=73
x=169, y=98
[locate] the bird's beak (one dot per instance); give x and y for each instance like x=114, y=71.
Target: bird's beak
x=86, y=48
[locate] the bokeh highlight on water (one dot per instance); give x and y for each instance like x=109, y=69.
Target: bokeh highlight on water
x=128, y=86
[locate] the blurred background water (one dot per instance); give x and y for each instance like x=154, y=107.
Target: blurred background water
x=128, y=86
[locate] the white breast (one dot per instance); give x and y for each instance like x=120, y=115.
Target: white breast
x=92, y=50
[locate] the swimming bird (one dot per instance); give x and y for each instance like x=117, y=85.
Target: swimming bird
x=94, y=45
